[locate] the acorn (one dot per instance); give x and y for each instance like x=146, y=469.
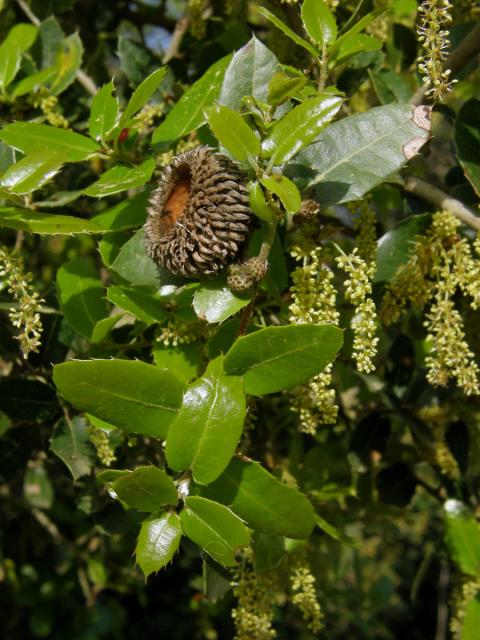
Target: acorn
x=244, y=275
x=199, y=215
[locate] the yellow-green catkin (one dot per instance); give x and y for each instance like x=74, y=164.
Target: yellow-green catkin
x=465, y=10
x=49, y=107
x=26, y=316
x=441, y=264
x=303, y=593
x=314, y=301
x=464, y=592
x=100, y=440
x=254, y=591
x=147, y=116
x=359, y=266
x=434, y=18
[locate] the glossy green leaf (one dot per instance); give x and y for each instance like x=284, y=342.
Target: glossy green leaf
x=215, y=529
x=44, y=223
x=395, y=246
x=142, y=303
x=467, y=141
x=285, y=190
x=81, y=295
x=462, y=536
x=359, y=152
x=158, y=541
x=32, y=171
x=319, y=21
x=22, y=36
x=471, y=620
x=183, y=361
x=29, y=137
x=71, y=443
x=142, y=94
x=133, y=264
x=37, y=488
x=208, y=426
x=277, y=358
x=67, y=61
x=281, y=87
x=188, y=114
x=258, y=204
x=288, y=32
x=214, y=302
x=299, y=127
x=131, y=213
x=104, y=388
x=108, y=476
x=146, y=489
x=233, y=132
x=33, y=81
x=120, y=178
x=262, y=501
x=103, y=112
x=248, y=74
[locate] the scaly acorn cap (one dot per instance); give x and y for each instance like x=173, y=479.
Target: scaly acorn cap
x=199, y=215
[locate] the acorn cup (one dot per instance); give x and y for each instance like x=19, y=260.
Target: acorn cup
x=199, y=215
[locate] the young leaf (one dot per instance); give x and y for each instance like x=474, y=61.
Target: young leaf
x=462, y=536
x=82, y=295
x=215, y=529
x=143, y=304
x=208, y=426
x=248, y=74
x=263, y=502
x=142, y=94
x=355, y=29
x=356, y=43
x=71, y=443
x=299, y=127
x=282, y=87
x=158, y=541
x=359, y=152
x=233, y=132
x=33, y=81
x=277, y=358
x=19, y=39
x=103, y=112
x=103, y=327
x=120, y=178
x=288, y=32
x=146, y=489
x=258, y=204
x=32, y=171
x=44, y=223
x=319, y=22
x=471, y=620
x=214, y=302
x=29, y=137
x=104, y=388
x=188, y=114
x=285, y=190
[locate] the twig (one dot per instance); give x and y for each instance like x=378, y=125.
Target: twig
x=442, y=200
x=87, y=83
x=442, y=607
x=178, y=33
x=457, y=60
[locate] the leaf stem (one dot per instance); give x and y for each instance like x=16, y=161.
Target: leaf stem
x=322, y=81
